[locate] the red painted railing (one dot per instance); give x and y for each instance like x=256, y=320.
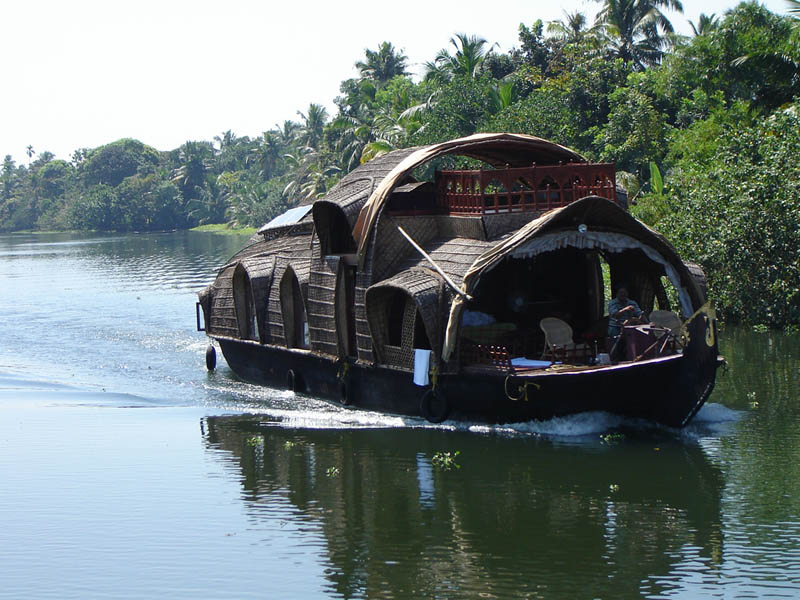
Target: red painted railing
x=522, y=188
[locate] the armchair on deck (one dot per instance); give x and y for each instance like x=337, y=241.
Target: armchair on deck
x=558, y=342
x=666, y=319
x=671, y=322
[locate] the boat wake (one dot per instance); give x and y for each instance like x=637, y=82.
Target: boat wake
x=284, y=409
x=716, y=413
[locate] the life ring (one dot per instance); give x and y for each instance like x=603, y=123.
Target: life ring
x=291, y=380
x=344, y=393
x=211, y=358
x=434, y=406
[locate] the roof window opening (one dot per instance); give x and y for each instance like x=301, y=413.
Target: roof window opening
x=333, y=229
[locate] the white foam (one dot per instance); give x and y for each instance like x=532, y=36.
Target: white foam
x=286, y=409
x=578, y=425
x=716, y=413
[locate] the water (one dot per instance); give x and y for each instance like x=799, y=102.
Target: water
x=128, y=471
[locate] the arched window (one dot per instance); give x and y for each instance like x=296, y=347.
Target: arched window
x=293, y=309
x=335, y=234
x=396, y=326
x=244, y=304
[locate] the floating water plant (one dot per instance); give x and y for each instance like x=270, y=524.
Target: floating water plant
x=446, y=460
x=612, y=438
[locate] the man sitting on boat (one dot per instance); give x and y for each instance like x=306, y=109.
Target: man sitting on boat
x=622, y=310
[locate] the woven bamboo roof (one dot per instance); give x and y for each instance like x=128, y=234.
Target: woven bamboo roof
x=454, y=256
x=354, y=189
x=295, y=248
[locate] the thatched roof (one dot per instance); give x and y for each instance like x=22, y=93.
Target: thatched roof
x=295, y=248
x=454, y=256
x=354, y=189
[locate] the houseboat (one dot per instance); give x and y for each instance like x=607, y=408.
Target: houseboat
x=419, y=289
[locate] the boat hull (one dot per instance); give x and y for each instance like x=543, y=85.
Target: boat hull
x=668, y=390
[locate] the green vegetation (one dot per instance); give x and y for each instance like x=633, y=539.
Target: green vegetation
x=704, y=131
x=612, y=438
x=225, y=228
x=446, y=461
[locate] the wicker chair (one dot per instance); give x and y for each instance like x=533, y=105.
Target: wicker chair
x=666, y=318
x=672, y=326
x=558, y=340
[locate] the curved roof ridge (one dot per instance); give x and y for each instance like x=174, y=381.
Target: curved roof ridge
x=515, y=149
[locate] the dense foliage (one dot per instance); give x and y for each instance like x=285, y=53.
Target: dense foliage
x=715, y=114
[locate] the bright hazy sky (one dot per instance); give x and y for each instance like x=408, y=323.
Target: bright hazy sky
x=81, y=73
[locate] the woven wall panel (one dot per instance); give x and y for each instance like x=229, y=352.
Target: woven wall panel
x=501, y=224
x=223, y=311
x=322, y=302
x=363, y=338
x=460, y=227
x=274, y=332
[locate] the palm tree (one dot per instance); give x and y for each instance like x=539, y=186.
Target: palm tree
x=287, y=132
x=467, y=61
x=705, y=24
x=208, y=206
x=191, y=175
x=313, y=123
x=301, y=162
x=265, y=155
x=502, y=96
x=570, y=30
x=354, y=131
x=783, y=61
x=383, y=65
x=226, y=140
x=634, y=30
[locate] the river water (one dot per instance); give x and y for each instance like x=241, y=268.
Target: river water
x=129, y=471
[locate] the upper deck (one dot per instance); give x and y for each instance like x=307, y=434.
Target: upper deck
x=513, y=189
x=531, y=188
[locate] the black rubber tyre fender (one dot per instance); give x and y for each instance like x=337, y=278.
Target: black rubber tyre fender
x=434, y=405
x=211, y=358
x=344, y=393
x=291, y=380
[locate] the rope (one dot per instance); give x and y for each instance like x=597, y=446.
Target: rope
x=344, y=367
x=434, y=377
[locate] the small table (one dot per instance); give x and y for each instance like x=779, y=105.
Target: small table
x=641, y=341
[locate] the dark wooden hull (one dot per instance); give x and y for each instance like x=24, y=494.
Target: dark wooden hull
x=668, y=390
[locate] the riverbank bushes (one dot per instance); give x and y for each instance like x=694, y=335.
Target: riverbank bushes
x=737, y=212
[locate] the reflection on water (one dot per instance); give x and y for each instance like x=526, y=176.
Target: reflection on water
x=520, y=518
x=302, y=498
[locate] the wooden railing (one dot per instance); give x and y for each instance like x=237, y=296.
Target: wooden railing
x=519, y=189
x=485, y=355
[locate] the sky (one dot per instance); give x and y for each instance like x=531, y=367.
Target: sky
x=84, y=73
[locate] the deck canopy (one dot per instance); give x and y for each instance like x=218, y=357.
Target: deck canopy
x=497, y=149
x=592, y=223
